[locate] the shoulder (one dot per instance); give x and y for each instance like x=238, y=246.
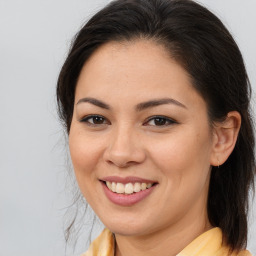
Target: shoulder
x=244, y=253
x=103, y=245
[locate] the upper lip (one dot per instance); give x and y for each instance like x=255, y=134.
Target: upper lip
x=125, y=180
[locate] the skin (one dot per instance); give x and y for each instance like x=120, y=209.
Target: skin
x=126, y=142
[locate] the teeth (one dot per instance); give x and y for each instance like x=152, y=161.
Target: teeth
x=136, y=187
x=143, y=186
x=149, y=185
x=113, y=187
x=109, y=185
x=128, y=188
x=119, y=188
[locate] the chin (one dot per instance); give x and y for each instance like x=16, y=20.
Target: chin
x=127, y=228
x=123, y=231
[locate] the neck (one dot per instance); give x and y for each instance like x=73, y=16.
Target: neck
x=166, y=242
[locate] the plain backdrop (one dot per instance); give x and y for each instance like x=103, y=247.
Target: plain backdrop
x=34, y=38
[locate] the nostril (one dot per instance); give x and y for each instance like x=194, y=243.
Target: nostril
x=124, y=155
x=121, y=164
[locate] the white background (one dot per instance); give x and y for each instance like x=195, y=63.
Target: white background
x=34, y=38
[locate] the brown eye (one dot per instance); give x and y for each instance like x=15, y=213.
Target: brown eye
x=160, y=121
x=95, y=120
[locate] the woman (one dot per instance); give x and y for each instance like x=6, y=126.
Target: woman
x=155, y=98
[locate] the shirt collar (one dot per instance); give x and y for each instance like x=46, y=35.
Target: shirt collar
x=209, y=243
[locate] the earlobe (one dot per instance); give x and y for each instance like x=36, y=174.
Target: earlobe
x=224, y=138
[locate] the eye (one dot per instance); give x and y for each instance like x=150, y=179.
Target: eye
x=160, y=121
x=94, y=120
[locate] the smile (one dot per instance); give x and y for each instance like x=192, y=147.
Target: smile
x=128, y=188
x=127, y=191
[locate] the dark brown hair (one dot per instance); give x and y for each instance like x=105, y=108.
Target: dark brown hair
x=199, y=41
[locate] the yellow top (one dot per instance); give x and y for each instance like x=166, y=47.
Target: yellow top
x=207, y=244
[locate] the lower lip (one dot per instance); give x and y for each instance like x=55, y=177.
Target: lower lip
x=126, y=200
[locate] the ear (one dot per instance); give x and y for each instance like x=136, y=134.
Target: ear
x=225, y=135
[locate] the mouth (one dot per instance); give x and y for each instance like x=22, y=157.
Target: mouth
x=128, y=188
x=127, y=191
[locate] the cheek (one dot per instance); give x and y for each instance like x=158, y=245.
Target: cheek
x=84, y=153
x=184, y=167
x=183, y=156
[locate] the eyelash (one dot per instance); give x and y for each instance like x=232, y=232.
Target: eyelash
x=161, y=119
x=87, y=118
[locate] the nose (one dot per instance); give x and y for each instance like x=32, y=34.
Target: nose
x=125, y=148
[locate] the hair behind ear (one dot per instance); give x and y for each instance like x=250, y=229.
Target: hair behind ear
x=229, y=187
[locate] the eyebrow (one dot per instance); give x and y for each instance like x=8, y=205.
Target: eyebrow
x=158, y=102
x=139, y=107
x=95, y=102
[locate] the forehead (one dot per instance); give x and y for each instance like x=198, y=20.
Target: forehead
x=134, y=69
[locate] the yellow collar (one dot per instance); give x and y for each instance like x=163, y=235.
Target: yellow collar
x=207, y=244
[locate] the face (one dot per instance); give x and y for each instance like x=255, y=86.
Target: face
x=140, y=128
